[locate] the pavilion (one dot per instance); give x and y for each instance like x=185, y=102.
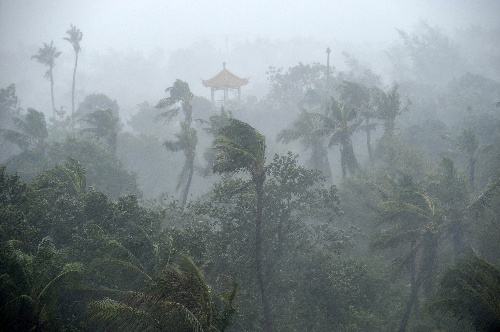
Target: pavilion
x=225, y=81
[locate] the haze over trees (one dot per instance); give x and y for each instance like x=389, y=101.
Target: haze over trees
x=334, y=194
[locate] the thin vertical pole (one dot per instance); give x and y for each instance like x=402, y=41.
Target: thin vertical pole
x=328, y=51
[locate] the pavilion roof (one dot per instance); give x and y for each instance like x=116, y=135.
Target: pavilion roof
x=225, y=79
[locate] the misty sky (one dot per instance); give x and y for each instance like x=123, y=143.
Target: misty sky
x=132, y=50
x=150, y=24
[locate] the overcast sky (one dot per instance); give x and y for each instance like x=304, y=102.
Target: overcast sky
x=170, y=24
x=133, y=49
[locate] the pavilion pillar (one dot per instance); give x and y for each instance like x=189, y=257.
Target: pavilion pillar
x=212, y=92
x=239, y=94
x=225, y=95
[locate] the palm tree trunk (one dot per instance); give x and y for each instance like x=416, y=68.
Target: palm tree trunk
x=369, y=143
x=319, y=160
x=458, y=239
x=472, y=171
x=350, y=162
x=343, y=162
x=73, y=90
x=185, y=192
x=51, y=76
x=266, y=308
x=413, y=299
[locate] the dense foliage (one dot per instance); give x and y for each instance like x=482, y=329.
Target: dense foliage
x=384, y=223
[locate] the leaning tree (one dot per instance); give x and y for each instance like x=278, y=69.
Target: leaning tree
x=180, y=99
x=241, y=148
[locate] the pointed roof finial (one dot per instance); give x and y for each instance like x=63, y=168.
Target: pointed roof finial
x=224, y=65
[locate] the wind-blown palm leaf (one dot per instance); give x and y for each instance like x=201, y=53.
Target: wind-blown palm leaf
x=485, y=198
x=470, y=291
x=239, y=146
x=74, y=37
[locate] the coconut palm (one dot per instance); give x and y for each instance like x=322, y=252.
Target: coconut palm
x=306, y=130
x=179, y=299
x=30, y=133
x=358, y=97
x=339, y=123
x=414, y=223
x=470, y=290
x=180, y=99
x=30, y=284
x=388, y=108
x=241, y=148
x=102, y=125
x=74, y=38
x=47, y=55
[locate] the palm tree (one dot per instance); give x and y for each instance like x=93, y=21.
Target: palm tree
x=47, y=55
x=415, y=222
x=31, y=131
x=358, y=96
x=306, y=129
x=241, y=148
x=103, y=125
x=74, y=38
x=339, y=123
x=470, y=290
x=178, y=299
x=213, y=125
x=180, y=98
x=29, y=286
x=388, y=108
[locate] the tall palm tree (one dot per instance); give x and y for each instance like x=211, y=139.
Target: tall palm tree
x=339, y=123
x=241, y=148
x=180, y=99
x=74, y=38
x=306, y=129
x=47, y=55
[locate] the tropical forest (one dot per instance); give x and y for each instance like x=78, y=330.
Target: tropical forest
x=220, y=166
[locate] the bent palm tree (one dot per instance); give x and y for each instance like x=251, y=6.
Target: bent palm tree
x=29, y=286
x=178, y=300
x=74, y=38
x=306, y=129
x=103, y=125
x=31, y=131
x=414, y=221
x=180, y=98
x=241, y=148
x=470, y=290
x=47, y=55
x=340, y=123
